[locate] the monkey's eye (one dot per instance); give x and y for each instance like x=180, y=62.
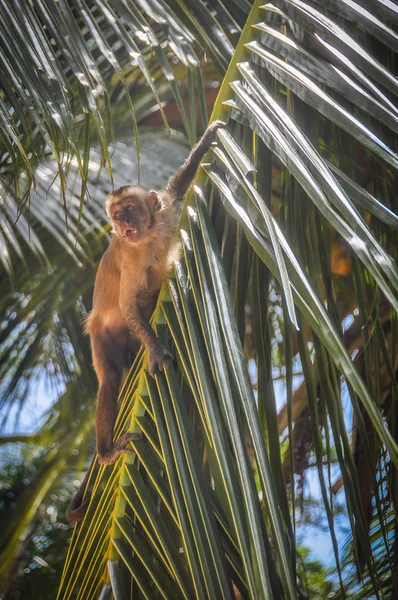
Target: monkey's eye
x=116, y=215
x=130, y=208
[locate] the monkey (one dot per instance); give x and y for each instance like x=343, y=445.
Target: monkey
x=137, y=261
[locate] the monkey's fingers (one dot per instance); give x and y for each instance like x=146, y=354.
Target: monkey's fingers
x=155, y=365
x=167, y=355
x=217, y=125
x=157, y=358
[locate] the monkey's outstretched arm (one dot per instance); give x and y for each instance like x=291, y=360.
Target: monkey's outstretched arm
x=179, y=182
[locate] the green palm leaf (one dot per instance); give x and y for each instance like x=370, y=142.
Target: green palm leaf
x=201, y=508
x=58, y=64
x=212, y=381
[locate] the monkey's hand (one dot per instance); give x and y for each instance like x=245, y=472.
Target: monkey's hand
x=119, y=447
x=212, y=129
x=157, y=357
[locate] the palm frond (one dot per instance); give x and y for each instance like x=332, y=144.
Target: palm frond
x=61, y=66
x=207, y=503
x=41, y=330
x=296, y=115
x=41, y=334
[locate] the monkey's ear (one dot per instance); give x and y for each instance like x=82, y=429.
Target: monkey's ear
x=155, y=200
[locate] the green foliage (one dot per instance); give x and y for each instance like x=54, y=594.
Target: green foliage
x=289, y=248
x=315, y=578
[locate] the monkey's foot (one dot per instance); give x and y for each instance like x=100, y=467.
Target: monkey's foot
x=108, y=457
x=157, y=358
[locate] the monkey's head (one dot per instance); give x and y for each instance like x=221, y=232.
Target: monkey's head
x=132, y=210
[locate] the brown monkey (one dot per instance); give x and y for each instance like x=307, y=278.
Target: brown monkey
x=127, y=285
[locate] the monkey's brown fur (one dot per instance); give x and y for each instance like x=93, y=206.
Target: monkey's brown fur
x=128, y=281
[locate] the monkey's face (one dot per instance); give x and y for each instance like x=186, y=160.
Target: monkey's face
x=133, y=216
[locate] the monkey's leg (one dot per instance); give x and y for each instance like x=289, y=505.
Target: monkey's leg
x=108, y=363
x=179, y=182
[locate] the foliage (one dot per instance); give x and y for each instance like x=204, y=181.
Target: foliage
x=317, y=586
x=288, y=262
x=64, y=65
x=40, y=557
x=41, y=340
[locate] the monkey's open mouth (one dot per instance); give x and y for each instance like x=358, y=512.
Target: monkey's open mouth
x=133, y=232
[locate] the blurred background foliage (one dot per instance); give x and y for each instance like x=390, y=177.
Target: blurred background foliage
x=91, y=95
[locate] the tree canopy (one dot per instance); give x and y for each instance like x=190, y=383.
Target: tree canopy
x=287, y=273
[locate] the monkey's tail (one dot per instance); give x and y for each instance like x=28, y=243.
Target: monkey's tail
x=77, y=507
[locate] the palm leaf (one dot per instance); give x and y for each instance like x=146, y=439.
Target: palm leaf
x=42, y=344
x=220, y=529
x=192, y=512
x=60, y=65
x=42, y=315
